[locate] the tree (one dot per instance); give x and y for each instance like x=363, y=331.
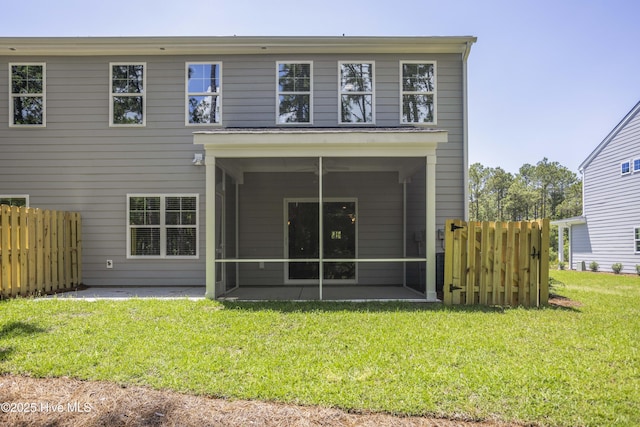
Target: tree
x=546, y=190
x=477, y=183
x=498, y=184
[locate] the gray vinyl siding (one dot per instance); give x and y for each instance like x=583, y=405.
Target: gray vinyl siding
x=611, y=202
x=79, y=163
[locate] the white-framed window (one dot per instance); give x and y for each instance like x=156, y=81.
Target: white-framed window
x=294, y=92
x=625, y=168
x=203, y=93
x=127, y=94
x=14, y=200
x=636, y=239
x=418, y=92
x=27, y=94
x=636, y=165
x=162, y=226
x=357, y=92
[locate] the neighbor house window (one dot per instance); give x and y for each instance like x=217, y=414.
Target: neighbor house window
x=625, y=168
x=203, y=93
x=418, y=92
x=162, y=226
x=14, y=200
x=294, y=92
x=356, y=92
x=636, y=236
x=27, y=94
x=128, y=104
x=636, y=165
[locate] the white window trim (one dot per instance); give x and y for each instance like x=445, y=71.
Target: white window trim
x=143, y=94
x=635, y=241
x=16, y=196
x=43, y=95
x=286, y=202
x=434, y=93
x=163, y=227
x=187, y=93
x=373, y=93
x=627, y=162
x=310, y=93
x=633, y=168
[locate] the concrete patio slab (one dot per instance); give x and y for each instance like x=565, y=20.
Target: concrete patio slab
x=112, y=293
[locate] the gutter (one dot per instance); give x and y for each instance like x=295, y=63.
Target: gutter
x=465, y=129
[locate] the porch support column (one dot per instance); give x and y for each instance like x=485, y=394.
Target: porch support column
x=320, y=228
x=210, y=227
x=561, y=244
x=430, y=232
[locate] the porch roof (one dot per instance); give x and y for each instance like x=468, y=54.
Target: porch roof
x=334, y=142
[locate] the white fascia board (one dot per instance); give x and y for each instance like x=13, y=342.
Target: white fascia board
x=83, y=46
x=630, y=115
x=251, y=144
x=566, y=222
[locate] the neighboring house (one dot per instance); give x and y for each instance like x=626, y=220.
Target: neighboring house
x=156, y=139
x=608, y=231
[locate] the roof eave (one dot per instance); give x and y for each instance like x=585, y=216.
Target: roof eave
x=630, y=115
x=83, y=46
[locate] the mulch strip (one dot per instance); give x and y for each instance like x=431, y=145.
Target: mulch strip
x=59, y=402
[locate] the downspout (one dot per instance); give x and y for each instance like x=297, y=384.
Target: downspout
x=465, y=130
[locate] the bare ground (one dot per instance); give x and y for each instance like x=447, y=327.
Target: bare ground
x=58, y=402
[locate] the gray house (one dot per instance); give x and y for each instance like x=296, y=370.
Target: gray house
x=608, y=231
x=255, y=167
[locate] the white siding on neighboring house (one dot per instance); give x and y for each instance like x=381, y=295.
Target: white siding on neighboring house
x=611, y=202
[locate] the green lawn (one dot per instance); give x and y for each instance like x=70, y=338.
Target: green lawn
x=551, y=366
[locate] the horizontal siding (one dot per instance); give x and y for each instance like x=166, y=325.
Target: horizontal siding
x=611, y=204
x=80, y=163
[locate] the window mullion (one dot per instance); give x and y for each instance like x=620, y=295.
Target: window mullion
x=163, y=227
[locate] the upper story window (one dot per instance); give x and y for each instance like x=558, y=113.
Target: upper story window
x=625, y=168
x=128, y=104
x=27, y=97
x=294, y=92
x=203, y=88
x=356, y=92
x=162, y=226
x=636, y=165
x=418, y=92
x=14, y=200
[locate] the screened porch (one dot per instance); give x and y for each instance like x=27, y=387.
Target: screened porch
x=308, y=214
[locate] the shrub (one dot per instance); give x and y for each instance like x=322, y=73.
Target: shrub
x=562, y=265
x=617, y=268
x=593, y=266
x=638, y=269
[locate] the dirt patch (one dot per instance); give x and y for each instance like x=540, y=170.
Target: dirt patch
x=61, y=402
x=560, y=301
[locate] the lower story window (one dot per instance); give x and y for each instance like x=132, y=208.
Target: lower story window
x=636, y=236
x=14, y=200
x=162, y=226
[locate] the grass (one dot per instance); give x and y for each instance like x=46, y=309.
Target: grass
x=550, y=366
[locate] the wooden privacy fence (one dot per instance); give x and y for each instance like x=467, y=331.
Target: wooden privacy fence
x=496, y=263
x=40, y=251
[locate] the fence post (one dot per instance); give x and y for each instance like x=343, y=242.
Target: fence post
x=5, y=252
x=544, y=262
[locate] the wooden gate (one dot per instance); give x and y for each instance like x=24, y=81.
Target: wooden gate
x=496, y=263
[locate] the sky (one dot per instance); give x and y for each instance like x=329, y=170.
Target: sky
x=547, y=78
